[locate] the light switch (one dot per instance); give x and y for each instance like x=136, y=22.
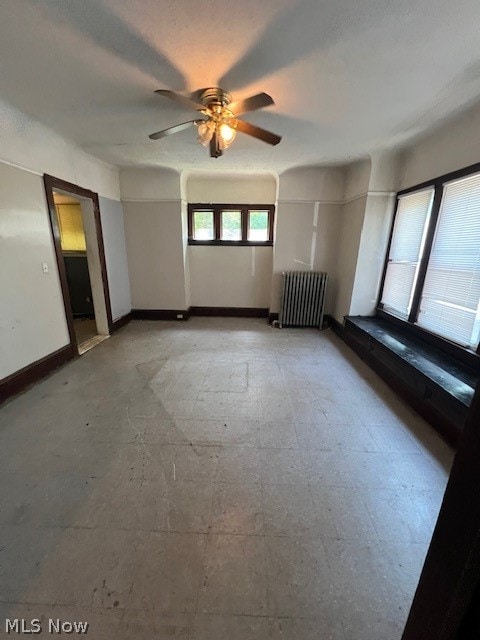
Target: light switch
x=44, y=267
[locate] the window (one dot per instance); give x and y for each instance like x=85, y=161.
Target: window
x=432, y=273
x=219, y=224
x=449, y=305
x=258, y=226
x=406, y=251
x=203, y=228
x=231, y=227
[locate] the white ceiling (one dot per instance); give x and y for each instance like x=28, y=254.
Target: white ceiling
x=347, y=76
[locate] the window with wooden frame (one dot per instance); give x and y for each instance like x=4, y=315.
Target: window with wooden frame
x=431, y=279
x=231, y=224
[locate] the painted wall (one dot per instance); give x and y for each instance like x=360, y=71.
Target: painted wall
x=111, y=215
x=32, y=318
x=312, y=184
x=454, y=145
x=372, y=249
x=153, y=233
x=151, y=185
x=230, y=276
x=307, y=226
x=352, y=218
x=366, y=218
x=228, y=188
x=326, y=252
x=29, y=145
x=156, y=238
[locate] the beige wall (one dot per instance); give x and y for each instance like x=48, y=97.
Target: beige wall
x=113, y=228
x=32, y=314
x=366, y=218
x=307, y=226
x=371, y=254
x=226, y=188
x=326, y=252
x=156, y=238
x=305, y=239
x=32, y=317
x=312, y=184
x=153, y=232
x=29, y=145
x=151, y=185
x=454, y=145
x=230, y=276
x=352, y=217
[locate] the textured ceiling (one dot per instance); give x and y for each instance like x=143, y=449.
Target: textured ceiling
x=347, y=76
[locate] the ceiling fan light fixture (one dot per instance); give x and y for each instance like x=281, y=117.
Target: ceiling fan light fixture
x=219, y=125
x=205, y=130
x=227, y=134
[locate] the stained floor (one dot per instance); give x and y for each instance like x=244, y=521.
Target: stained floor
x=216, y=479
x=85, y=329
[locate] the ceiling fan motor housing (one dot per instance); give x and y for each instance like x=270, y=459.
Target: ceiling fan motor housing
x=214, y=96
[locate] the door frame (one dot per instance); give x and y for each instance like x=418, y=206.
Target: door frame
x=52, y=184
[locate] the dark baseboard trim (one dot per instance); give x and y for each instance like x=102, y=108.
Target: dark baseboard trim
x=230, y=312
x=121, y=322
x=272, y=317
x=219, y=312
x=160, y=314
x=336, y=326
x=18, y=381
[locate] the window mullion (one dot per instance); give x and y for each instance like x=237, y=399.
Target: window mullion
x=422, y=270
x=245, y=213
x=217, y=222
x=270, y=224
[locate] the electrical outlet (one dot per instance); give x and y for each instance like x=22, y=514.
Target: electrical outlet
x=44, y=267
x=179, y=316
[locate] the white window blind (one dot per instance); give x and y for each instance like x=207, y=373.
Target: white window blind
x=450, y=301
x=406, y=251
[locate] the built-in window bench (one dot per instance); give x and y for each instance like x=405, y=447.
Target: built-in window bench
x=437, y=385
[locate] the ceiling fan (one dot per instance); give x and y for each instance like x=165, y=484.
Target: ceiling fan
x=219, y=124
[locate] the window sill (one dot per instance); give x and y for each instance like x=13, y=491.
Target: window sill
x=438, y=386
x=464, y=355
x=228, y=243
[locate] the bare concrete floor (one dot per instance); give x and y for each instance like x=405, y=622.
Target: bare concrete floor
x=216, y=479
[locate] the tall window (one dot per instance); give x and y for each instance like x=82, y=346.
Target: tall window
x=432, y=274
x=230, y=224
x=406, y=248
x=449, y=305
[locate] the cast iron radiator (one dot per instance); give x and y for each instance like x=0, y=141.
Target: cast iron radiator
x=303, y=299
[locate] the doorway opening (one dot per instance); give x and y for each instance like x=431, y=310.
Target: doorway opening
x=76, y=227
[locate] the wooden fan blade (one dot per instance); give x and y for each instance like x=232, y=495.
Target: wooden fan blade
x=175, y=129
x=183, y=100
x=251, y=104
x=257, y=132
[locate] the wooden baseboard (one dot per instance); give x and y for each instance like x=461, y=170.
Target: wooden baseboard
x=160, y=314
x=185, y=314
x=335, y=325
x=18, y=381
x=230, y=312
x=121, y=322
x=272, y=317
